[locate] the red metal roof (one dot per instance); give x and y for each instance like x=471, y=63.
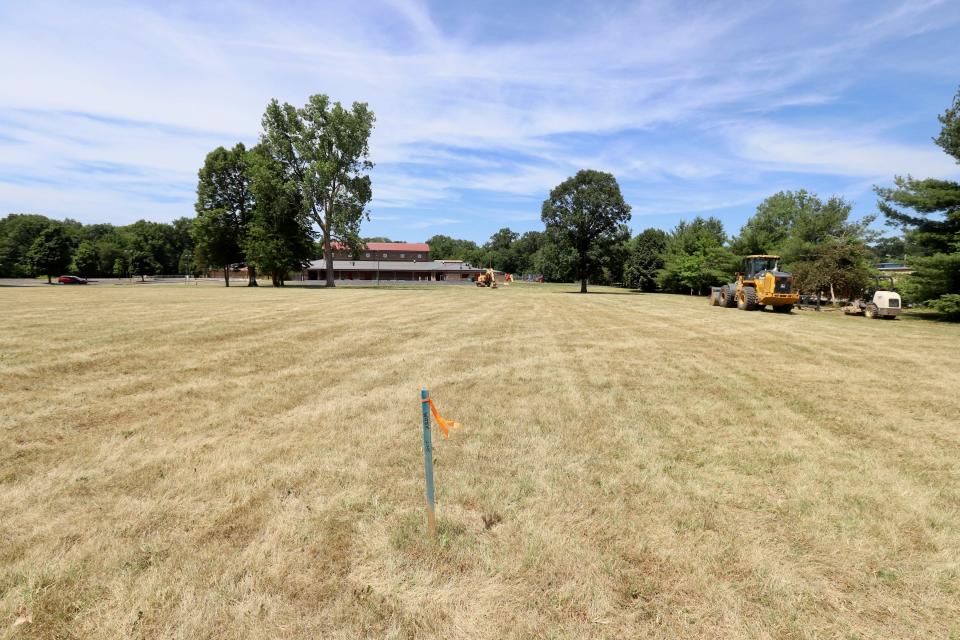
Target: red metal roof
x=392, y=246
x=398, y=246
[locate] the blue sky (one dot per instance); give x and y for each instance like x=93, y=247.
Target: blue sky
x=698, y=108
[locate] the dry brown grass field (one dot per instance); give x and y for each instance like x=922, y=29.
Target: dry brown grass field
x=202, y=462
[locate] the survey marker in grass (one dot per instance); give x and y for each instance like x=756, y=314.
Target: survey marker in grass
x=427, y=407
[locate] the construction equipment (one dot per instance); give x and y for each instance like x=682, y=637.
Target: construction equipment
x=759, y=283
x=881, y=301
x=487, y=279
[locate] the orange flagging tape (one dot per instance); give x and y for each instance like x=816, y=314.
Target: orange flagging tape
x=445, y=425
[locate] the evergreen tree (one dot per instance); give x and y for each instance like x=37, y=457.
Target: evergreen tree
x=928, y=211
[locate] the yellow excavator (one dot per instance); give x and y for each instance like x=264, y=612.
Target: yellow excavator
x=759, y=283
x=487, y=279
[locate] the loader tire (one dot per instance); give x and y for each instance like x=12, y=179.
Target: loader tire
x=747, y=301
x=727, y=297
x=871, y=311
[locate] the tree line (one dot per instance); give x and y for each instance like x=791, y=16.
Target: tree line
x=817, y=240
x=306, y=185
x=33, y=244
x=271, y=208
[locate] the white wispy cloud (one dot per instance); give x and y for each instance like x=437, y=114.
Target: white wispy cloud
x=847, y=152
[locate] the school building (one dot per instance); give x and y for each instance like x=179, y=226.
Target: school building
x=391, y=262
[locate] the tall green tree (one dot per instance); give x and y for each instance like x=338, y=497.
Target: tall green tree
x=85, y=259
x=216, y=240
x=142, y=264
x=792, y=223
x=696, y=257
x=816, y=240
x=324, y=151
x=588, y=213
x=110, y=248
x=843, y=268
x=928, y=211
x=278, y=238
x=500, y=252
x=225, y=202
x=50, y=252
x=444, y=247
x=17, y=234
x=645, y=259
x=886, y=249
x=525, y=249
x=120, y=267
x=156, y=238
x=556, y=260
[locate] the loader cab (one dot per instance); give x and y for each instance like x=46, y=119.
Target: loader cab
x=754, y=266
x=880, y=283
x=884, y=283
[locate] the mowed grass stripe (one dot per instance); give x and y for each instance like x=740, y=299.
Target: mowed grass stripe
x=210, y=462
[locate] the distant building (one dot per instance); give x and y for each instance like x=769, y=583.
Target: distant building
x=394, y=251
x=390, y=262
x=893, y=268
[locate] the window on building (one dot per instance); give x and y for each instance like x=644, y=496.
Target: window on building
x=366, y=255
x=384, y=255
x=403, y=255
x=419, y=255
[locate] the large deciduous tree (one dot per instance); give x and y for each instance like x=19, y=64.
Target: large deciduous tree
x=446, y=248
x=499, y=251
x=17, y=234
x=932, y=229
x=645, y=259
x=225, y=202
x=588, y=213
x=50, y=251
x=85, y=259
x=216, y=240
x=324, y=152
x=143, y=264
x=278, y=238
x=815, y=238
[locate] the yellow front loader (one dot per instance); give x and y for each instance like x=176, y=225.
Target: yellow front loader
x=759, y=283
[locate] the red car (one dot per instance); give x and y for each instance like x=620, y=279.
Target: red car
x=71, y=280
